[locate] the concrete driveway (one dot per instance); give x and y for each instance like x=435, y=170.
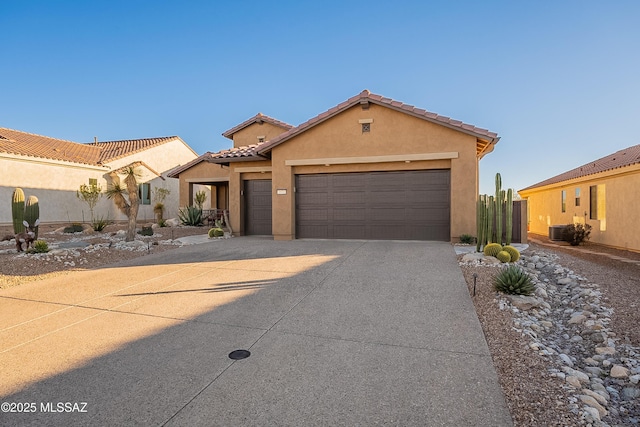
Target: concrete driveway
x=340, y=333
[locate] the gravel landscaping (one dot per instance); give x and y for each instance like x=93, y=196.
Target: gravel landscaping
x=82, y=250
x=571, y=354
x=568, y=356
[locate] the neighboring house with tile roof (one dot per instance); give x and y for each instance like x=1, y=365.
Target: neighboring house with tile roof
x=370, y=167
x=604, y=193
x=53, y=170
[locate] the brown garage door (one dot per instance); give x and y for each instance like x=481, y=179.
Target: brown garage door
x=257, y=199
x=399, y=205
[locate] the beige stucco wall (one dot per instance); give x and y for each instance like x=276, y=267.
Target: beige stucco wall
x=392, y=133
x=249, y=135
x=203, y=173
x=622, y=205
x=161, y=159
x=55, y=183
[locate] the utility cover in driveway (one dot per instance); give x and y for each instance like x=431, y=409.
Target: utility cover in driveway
x=402, y=205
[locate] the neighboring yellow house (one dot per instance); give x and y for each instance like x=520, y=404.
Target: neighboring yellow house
x=368, y=168
x=53, y=170
x=604, y=193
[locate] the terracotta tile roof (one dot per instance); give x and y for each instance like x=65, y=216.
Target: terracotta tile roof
x=29, y=144
x=366, y=96
x=245, y=153
x=619, y=159
x=258, y=118
x=206, y=157
x=111, y=150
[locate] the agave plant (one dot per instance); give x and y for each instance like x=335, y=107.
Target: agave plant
x=513, y=280
x=190, y=215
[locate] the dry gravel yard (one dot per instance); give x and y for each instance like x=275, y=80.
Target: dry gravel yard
x=534, y=396
x=88, y=250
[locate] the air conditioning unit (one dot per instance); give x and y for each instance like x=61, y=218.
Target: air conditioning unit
x=555, y=232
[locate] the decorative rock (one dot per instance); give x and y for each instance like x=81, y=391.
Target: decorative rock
x=618, y=371
x=523, y=302
x=634, y=379
x=573, y=380
x=577, y=319
x=172, y=222
x=566, y=359
x=630, y=393
x=593, y=412
x=588, y=400
x=606, y=350
x=600, y=399
x=563, y=281
x=472, y=257
x=594, y=370
x=582, y=377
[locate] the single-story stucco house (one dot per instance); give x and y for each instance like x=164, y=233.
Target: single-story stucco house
x=53, y=170
x=604, y=193
x=368, y=168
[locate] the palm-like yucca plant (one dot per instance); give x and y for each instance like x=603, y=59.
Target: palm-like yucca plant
x=125, y=196
x=513, y=280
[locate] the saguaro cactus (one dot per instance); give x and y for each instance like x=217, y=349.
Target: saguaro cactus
x=481, y=222
x=490, y=217
x=509, y=214
x=499, y=202
x=17, y=210
x=32, y=212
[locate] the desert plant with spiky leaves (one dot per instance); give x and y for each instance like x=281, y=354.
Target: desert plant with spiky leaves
x=513, y=280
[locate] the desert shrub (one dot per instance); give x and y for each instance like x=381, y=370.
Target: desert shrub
x=576, y=233
x=73, y=228
x=162, y=222
x=146, y=231
x=99, y=224
x=467, y=239
x=503, y=256
x=492, y=249
x=513, y=280
x=39, y=247
x=216, y=232
x=190, y=215
x=515, y=254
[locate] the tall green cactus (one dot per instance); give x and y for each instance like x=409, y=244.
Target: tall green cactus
x=481, y=222
x=17, y=210
x=499, y=199
x=509, y=214
x=490, y=216
x=32, y=212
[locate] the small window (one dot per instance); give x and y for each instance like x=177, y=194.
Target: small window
x=577, y=197
x=564, y=200
x=366, y=127
x=144, y=193
x=597, y=202
x=93, y=182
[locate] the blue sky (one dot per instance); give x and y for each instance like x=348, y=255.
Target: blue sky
x=557, y=80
